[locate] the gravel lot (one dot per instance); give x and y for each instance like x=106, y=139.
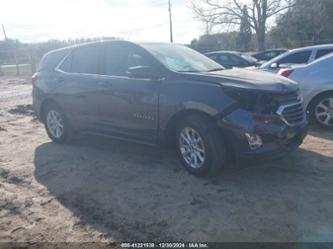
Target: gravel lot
x=104, y=190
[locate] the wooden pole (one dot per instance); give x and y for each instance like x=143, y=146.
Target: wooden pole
x=17, y=63
x=33, y=61
x=170, y=19
x=4, y=32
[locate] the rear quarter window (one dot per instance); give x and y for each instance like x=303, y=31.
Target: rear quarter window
x=52, y=60
x=66, y=65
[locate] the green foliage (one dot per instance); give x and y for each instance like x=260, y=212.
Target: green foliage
x=220, y=41
x=309, y=22
x=13, y=51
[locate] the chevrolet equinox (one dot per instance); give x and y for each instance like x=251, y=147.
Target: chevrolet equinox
x=157, y=93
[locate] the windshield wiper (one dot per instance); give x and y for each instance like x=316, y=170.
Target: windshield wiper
x=188, y=71
x=216, y=69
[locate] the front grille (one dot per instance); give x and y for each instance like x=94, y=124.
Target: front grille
x=292, y=114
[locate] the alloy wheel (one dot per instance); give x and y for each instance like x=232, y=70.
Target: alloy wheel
x=192, y=147
x=324, y=112
x=55, y=123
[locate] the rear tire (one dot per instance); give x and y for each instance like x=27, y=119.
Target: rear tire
x=200, y=146
x=321, y=111
x=57, y=125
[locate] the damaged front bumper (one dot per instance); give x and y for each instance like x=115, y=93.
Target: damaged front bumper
x=261, y=136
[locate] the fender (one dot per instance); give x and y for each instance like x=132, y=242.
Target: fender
x=185, y=96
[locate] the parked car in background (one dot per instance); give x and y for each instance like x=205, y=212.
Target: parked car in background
x=231, y=59
x=268, y=54
x=299, y=56
x=155, y=93
x=316, y=84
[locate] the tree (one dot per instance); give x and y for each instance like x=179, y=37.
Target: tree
x=305, y=24
x=231, y=12
x=245, y=33
x=215, y=42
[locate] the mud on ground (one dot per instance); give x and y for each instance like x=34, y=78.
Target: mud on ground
x=105, y=190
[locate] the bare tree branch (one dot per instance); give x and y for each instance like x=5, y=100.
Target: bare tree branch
x=218, y=12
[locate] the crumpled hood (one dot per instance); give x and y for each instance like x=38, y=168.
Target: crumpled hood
x=247, y=79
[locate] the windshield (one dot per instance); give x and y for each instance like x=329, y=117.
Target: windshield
x=249, y=58
x=179, y=58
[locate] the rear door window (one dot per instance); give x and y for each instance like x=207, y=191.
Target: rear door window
x=119, y=58
x=86, y=60
x=296, y=58
x=322, y=52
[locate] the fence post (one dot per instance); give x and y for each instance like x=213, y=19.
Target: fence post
x=17, y=63
x=33, y=61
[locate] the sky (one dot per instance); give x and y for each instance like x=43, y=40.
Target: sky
x=136, y=20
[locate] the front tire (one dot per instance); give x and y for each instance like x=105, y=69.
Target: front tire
x=321, y=111
x=57, y=125
x=200, y=146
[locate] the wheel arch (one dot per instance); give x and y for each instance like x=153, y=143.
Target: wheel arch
x=170, y=130
x=46, y=102
x=319, y=95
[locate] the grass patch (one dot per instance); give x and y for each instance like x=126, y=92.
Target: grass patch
x=24, y=69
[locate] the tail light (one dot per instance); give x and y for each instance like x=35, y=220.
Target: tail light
x=34, y=78
x=286, y=72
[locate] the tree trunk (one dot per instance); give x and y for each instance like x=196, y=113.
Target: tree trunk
x=261, y=37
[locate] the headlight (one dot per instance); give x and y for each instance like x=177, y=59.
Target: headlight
x=252, y=100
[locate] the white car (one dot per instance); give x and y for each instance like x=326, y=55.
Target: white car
x=316, y=84
x=299, y=56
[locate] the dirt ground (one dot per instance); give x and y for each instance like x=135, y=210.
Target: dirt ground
x=103, y=190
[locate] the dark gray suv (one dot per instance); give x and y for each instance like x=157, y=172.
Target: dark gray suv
x=163, y=93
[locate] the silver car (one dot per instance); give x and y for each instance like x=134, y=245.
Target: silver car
x=299, y=56
x=316, y=84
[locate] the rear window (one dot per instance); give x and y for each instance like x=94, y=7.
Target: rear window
x=322, y=52
x=51, y=61
x=86, y=60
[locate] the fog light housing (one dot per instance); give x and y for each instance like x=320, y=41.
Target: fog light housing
x=254, y=140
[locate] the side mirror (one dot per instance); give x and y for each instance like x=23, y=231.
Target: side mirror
x=142, y=72
x=274, y=65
